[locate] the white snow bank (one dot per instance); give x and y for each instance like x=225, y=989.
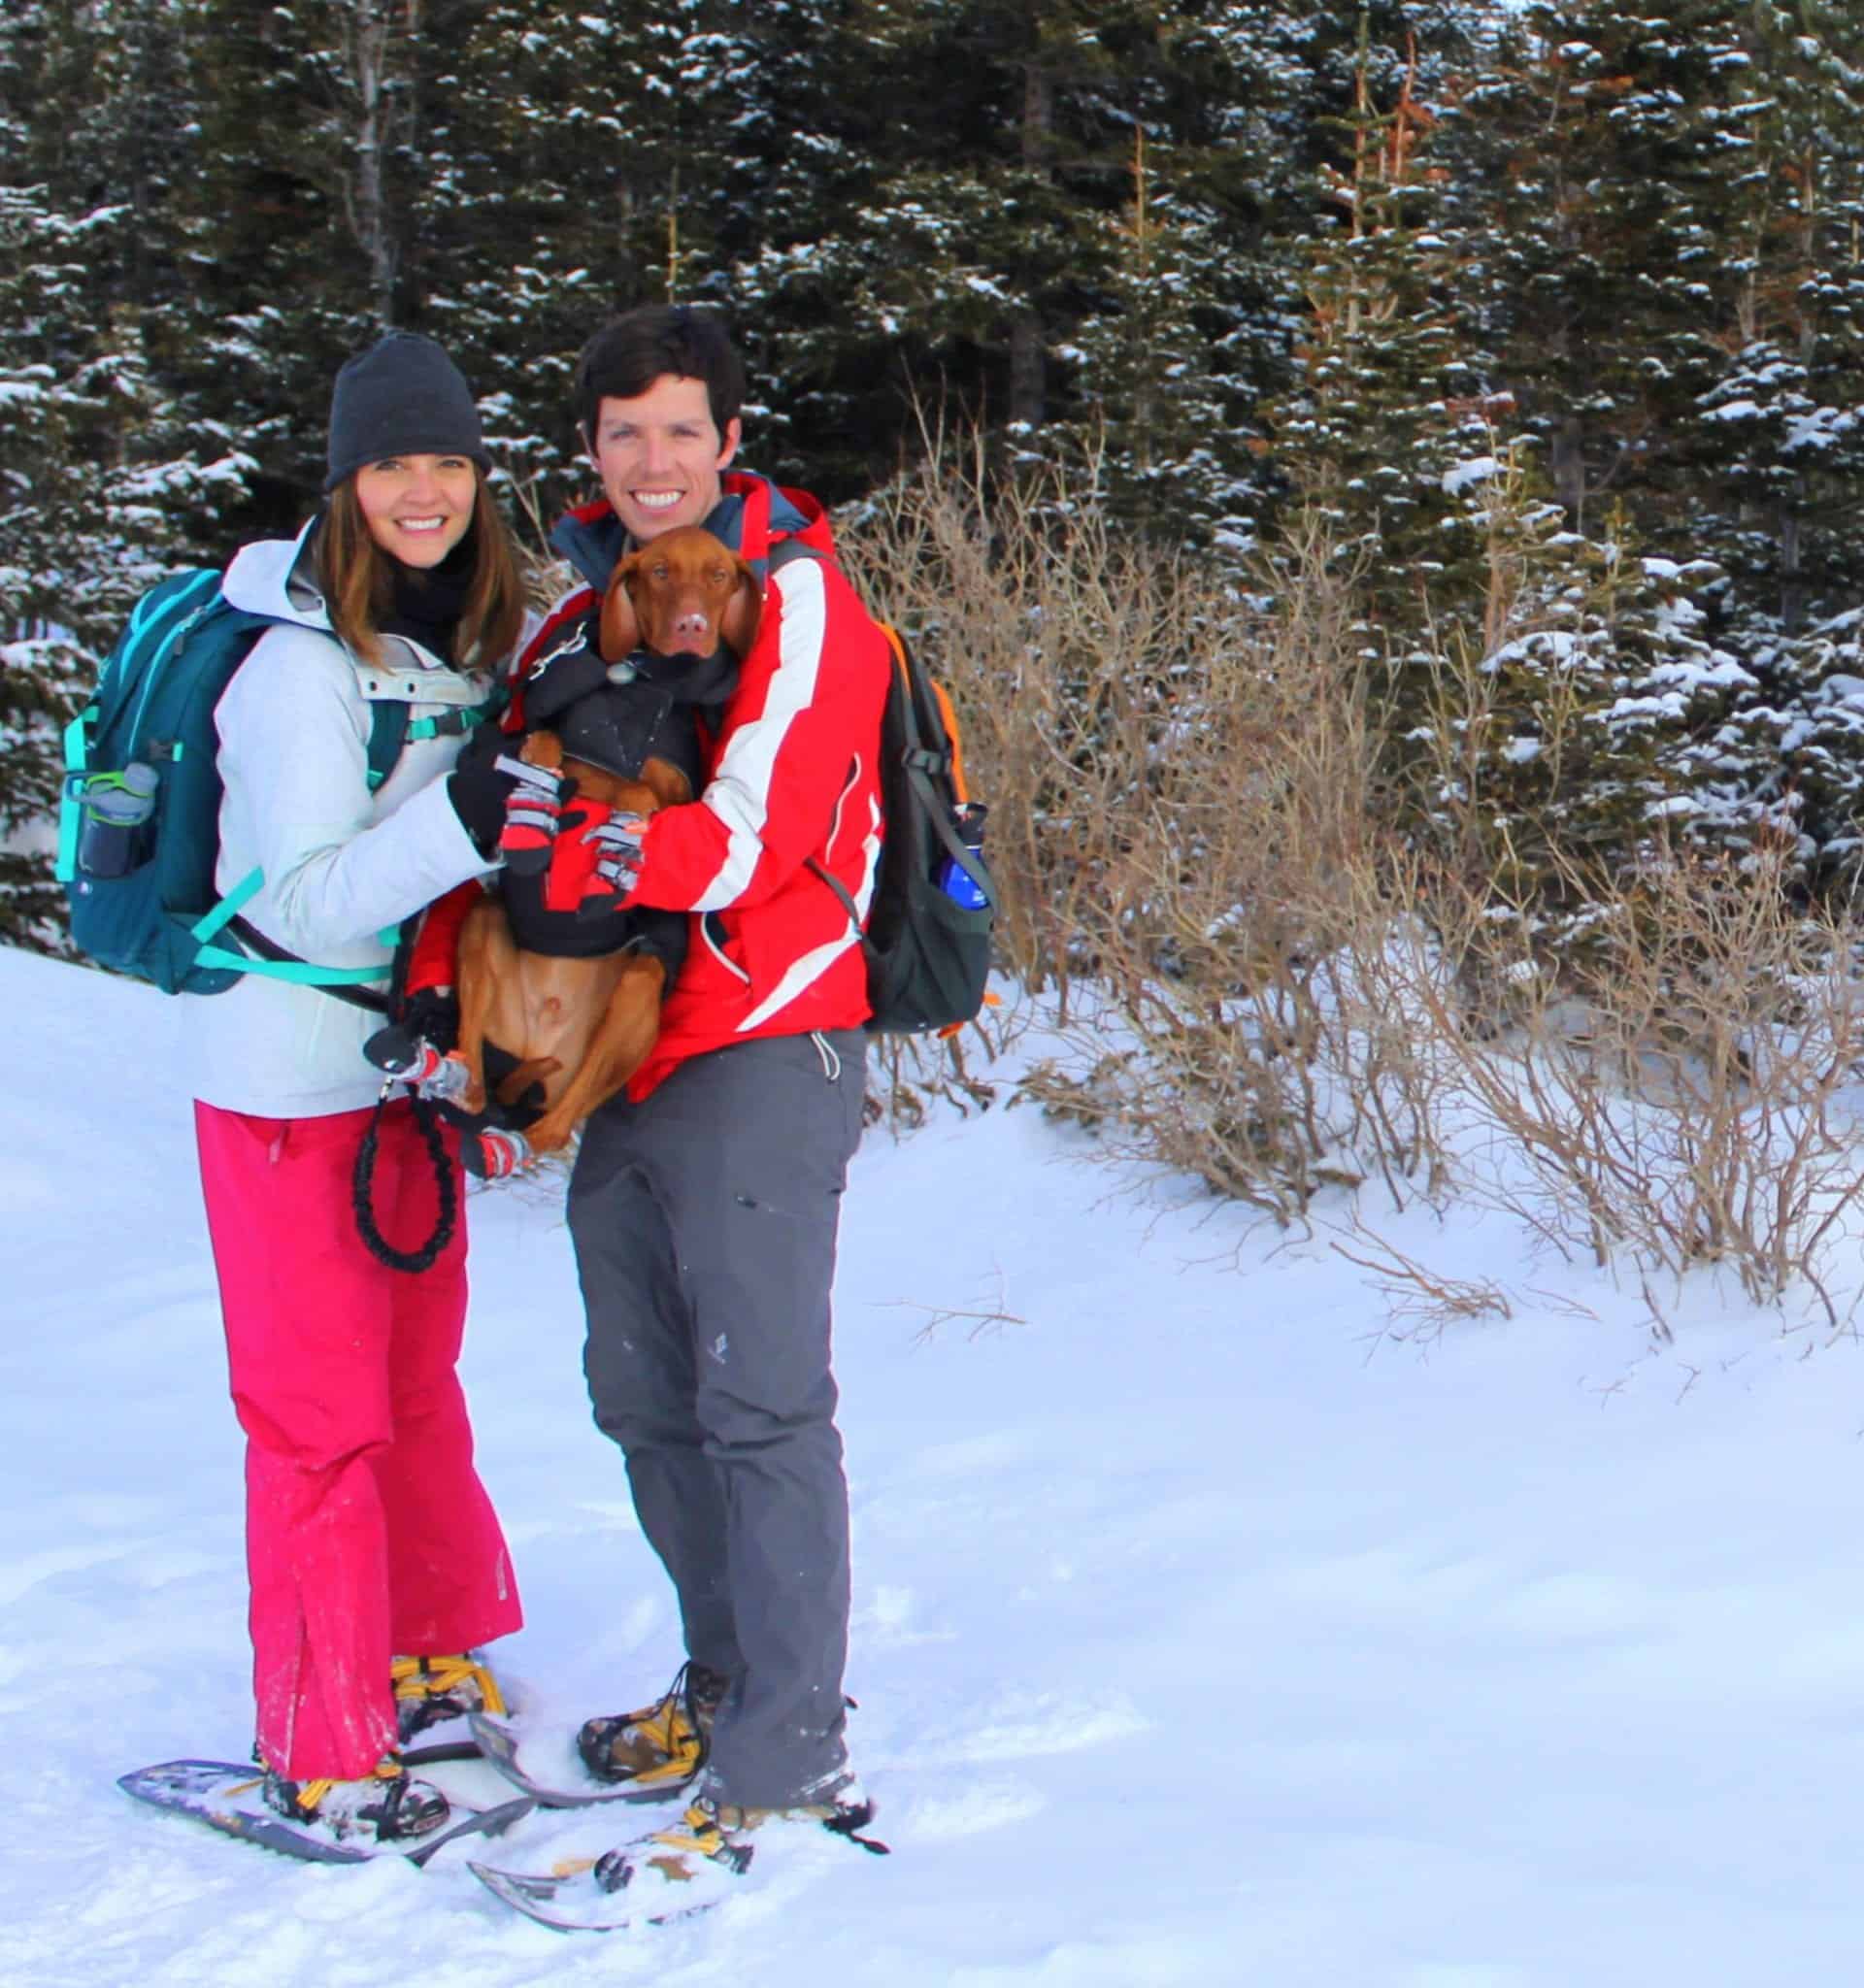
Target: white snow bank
x=1198, y=1641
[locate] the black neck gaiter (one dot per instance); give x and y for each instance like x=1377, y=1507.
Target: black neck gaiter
x=427, y=601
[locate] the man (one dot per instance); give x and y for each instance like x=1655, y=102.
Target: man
x=705, y=1201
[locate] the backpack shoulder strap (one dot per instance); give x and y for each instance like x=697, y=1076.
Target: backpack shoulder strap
x=387, y=735
x=787, y=552
x=391, y=725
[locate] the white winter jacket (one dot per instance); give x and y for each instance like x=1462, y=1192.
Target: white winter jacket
x=341, y=864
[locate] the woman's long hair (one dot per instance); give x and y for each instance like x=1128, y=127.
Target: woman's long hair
x=358, y=581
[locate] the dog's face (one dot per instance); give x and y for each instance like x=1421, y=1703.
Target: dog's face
x=683, y=592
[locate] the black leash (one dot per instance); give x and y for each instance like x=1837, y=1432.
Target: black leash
x=363, y=1179
x=362, y=1186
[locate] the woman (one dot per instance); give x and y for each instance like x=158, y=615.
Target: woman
x=376, y=1561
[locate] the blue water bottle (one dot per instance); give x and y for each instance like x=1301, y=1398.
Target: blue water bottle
x=117, y=809
x=955, y=879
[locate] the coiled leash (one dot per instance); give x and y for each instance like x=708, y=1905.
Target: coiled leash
x=362, y=1189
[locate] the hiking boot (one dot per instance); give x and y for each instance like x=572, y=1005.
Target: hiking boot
x=431, y=1689
x=387, y=1806
x=713, y=1833
x=663, y=1745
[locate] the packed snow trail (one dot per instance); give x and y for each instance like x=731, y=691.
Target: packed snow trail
x=1197, y=1642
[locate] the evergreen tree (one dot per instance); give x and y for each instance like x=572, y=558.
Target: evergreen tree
x=1389, y=426
x=1784, y=421
x=557, y=167
x=104, y=475
x=296, y=224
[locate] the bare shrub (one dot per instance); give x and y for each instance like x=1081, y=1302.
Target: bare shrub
x=1237, y=936
x=1284, y=957
x=1421, y=1302
x=1675, y=1087
x=548, y=574
x=907, y=1075
x=1065, y=647
x=1183, y=827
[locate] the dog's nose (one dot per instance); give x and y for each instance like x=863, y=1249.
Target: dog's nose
x=690, y=630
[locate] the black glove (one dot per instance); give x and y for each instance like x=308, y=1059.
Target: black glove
x=433, y=1015
x=478, y=787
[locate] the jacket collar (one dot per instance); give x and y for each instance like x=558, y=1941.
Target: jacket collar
x=277, y=578
x=594, y=539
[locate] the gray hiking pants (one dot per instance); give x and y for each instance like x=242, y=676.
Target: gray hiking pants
x=704, y=1221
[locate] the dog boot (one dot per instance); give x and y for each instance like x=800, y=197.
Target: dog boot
x=415, y=1061
x=533, y=813
x=618, y=841
x=495, y=1154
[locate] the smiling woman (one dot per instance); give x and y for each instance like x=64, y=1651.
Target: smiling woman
x=376, y=1564
x=418, y=507
x=412, y=538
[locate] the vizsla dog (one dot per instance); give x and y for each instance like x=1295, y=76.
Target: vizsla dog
x=582, y=1026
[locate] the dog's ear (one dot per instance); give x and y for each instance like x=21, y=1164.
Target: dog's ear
x=738, y=625
x=621, y=626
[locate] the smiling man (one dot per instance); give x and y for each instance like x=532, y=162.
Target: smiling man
x=704, y=1202
x=661, y=453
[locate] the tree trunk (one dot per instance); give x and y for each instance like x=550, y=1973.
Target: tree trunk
x=1569, y=468
x=368, y=53
x=1028, y=380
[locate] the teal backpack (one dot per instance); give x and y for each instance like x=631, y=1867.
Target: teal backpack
x=162, y=919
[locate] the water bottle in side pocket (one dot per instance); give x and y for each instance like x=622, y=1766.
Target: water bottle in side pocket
x=118, y=809
x=955, y=879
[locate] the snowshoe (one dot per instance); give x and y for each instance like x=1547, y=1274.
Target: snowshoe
x=673, y=1873
x=387, y=1806
x=229, y=1797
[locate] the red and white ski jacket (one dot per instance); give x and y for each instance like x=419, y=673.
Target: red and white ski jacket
x=792, y=775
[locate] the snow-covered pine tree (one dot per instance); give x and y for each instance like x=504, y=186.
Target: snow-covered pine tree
x=805, y=110
x=1185, y=333
x=1674, y=307
x=299, y=217
x=1778, y=436
x=103, y=473
x=952, y=273
x=1387, y=426
x=1542, y=683
x=564, y=159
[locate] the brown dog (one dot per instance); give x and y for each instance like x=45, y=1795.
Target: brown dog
x=582, y=1026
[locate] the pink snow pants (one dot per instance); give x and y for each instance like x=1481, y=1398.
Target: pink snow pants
x=368, y=1533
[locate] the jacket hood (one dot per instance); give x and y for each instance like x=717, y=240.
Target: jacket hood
x=264, y=578
x=594, y=539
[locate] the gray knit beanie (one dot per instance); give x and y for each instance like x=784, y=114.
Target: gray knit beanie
x=403, y=396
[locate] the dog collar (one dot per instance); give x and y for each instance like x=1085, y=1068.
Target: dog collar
x=687, y=678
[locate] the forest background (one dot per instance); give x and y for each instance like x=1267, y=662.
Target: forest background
x=1370, y=470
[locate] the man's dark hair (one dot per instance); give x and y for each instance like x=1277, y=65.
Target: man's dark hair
x=635, y=347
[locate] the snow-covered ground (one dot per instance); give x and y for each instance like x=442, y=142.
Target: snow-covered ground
x=1199, y=1639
